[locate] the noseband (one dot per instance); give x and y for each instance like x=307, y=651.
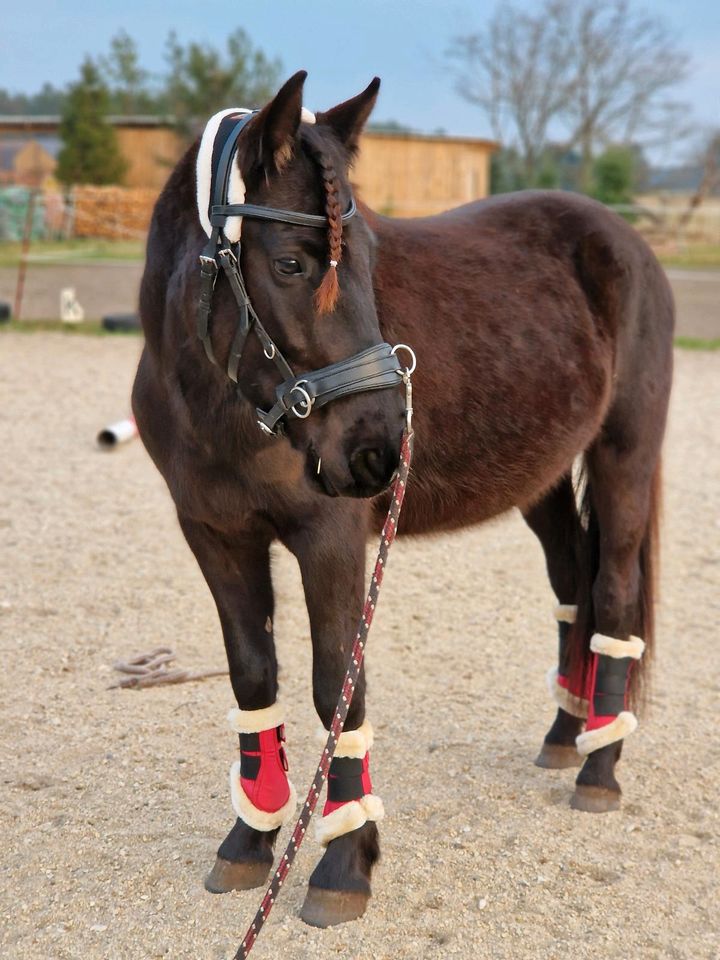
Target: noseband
x=375, y=368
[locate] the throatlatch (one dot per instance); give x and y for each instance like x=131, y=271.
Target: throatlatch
x=375, y=368
x=262, y=795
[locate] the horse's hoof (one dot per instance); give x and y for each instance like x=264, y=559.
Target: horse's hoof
x=226, y=876
x=325, y=908
x=595, y=799
x=558, y=756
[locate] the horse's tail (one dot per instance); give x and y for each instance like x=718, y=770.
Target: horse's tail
x=588, y=563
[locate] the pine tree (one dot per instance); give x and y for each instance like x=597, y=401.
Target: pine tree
x=201, y=79
x=90, y=152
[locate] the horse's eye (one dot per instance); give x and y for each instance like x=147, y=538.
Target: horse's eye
x=288, y=267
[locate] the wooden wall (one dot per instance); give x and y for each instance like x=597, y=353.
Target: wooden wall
x=403, y=175
x=410, y=176
x=151, y=153
x=396, y=174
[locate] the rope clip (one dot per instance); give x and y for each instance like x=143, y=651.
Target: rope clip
x=405, y=375
x=408, y=401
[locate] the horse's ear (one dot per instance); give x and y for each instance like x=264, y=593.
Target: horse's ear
x=277, y=124
x=348, y=119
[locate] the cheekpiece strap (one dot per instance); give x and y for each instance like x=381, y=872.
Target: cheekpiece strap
x=221, y=165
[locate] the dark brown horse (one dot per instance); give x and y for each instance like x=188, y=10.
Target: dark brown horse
x=543, y=327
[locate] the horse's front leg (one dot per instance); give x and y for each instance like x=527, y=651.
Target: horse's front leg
x=237, y=570
x=331, y=555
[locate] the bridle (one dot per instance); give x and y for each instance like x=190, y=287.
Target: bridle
x=375, y=368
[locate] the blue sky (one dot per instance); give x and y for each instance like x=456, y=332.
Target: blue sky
x=342, y=44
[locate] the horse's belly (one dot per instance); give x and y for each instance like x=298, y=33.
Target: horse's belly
x=498, y=458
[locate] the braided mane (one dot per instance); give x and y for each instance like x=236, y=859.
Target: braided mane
x=327, y=293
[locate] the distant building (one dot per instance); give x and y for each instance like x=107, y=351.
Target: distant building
x=27, y=161
x=398, y=173
x=413, y=174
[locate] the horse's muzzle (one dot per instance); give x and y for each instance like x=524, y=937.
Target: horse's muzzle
x=372, y=469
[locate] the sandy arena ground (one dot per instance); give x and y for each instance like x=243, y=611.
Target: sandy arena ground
x=114, y=801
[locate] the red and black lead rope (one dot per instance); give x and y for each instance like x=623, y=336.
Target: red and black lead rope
x=341, y=711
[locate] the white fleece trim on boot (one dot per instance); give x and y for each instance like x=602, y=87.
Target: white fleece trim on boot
x=263, y=820
x=575, y=706
x=255, y=721
x=566, y=612
x=614, y=647
x=236, y=186
x=355, y=743
x=350, y=816
x=352, y=743
x=622, y=726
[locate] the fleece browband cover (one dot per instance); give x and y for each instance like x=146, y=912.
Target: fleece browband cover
x=203, y=172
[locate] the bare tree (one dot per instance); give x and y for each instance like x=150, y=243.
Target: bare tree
x=709, y=158
x=584, y=72
x=624, y=63
x=517, y=72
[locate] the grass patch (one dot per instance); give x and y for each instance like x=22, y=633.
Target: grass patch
x=51, y=252
x=87, y=327
x=702, y=256
x=697, y=343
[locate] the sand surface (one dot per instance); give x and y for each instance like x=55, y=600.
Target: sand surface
x=113, y=802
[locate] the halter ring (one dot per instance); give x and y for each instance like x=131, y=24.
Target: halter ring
x=403, y=346
x=272, y=353
x=306, y=399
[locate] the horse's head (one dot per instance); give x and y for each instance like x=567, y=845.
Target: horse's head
x=312, y=288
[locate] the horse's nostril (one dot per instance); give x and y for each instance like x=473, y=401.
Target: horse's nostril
x=371, y=467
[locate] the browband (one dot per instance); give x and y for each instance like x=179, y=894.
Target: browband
x=220, y=213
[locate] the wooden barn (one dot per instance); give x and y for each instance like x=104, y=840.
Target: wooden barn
x=402, y=174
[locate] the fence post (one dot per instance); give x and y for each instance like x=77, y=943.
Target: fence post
x=22, y=265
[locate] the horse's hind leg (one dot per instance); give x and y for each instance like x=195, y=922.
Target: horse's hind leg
x=554, y=520
x=623, y=490
x=237, y=570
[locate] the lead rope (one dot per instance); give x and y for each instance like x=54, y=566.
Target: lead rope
x=352, y=673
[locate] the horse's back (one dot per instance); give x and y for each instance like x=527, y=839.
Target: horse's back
x=530, y=314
